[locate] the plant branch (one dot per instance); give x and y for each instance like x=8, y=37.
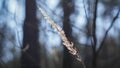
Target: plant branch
x=106, y=33
x=61, y=32
x=85, y=11
x=94, y=25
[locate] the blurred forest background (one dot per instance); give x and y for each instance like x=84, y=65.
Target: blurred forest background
x=27, y=40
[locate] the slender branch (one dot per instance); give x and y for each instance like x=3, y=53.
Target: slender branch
x=94, y=25
x=85, y=11
x=106, y=33
x=86, y=15
x=81, y=30
x=87, y=18
x=61, y=32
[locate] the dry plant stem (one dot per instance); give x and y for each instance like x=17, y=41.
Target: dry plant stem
x=67, y=43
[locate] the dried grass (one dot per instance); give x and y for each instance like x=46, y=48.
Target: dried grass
x=61, y=32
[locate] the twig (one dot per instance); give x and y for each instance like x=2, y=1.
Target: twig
x=86, y=15
x=106, y=33
x=94, y=25
x=61, y=32
x=81, y=30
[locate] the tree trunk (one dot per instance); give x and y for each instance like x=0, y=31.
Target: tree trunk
x=30, y=57
x=94, y=59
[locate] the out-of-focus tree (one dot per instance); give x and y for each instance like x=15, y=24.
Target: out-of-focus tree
x=30, y=51
x=68, y=9
x=92, y=26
